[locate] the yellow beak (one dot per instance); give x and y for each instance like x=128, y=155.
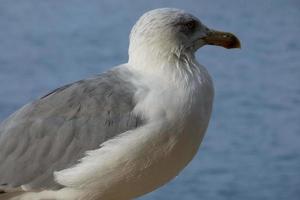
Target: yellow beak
x=224, y=39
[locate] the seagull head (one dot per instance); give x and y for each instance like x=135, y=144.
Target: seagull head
x=168, y=31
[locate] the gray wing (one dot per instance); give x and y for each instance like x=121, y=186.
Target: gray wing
x=54, y=132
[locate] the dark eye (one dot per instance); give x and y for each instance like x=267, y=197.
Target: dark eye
x=190, y=25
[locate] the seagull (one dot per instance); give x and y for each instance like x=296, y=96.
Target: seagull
x=120, y=134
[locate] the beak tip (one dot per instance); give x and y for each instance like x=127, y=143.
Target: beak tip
x=235, y=43
x=238, y=44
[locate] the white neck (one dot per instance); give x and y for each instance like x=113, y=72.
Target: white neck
x=153, y=56
x=167, y=65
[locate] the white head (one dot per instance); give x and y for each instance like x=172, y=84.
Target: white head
x=167, y=33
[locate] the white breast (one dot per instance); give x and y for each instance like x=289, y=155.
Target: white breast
x=178, y=111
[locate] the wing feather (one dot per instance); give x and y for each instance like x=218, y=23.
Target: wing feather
x=54, y=132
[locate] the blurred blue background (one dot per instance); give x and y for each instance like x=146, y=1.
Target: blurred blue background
x=252, y=147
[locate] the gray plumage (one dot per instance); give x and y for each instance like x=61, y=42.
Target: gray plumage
x=54, y=132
